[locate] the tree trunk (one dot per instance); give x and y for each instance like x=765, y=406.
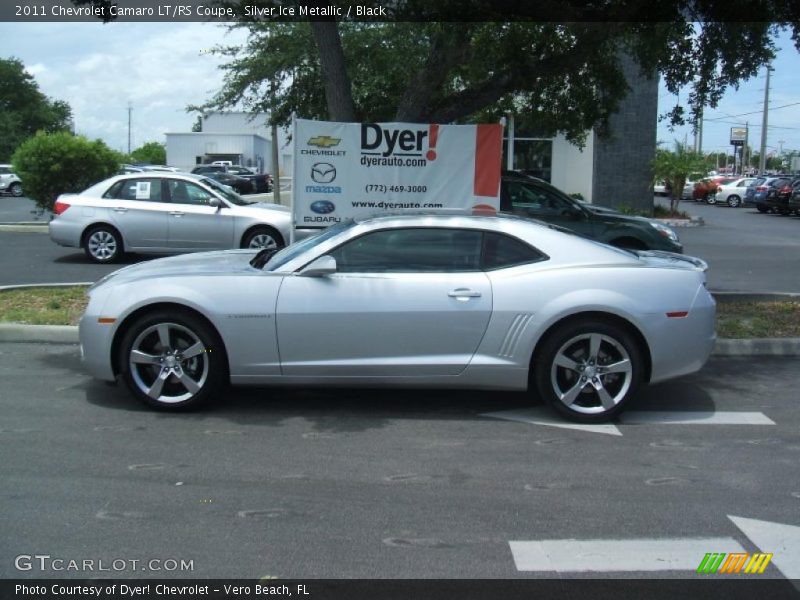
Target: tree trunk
x=338, y=92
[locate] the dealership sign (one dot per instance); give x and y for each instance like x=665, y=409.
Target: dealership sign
x=344, y=170
x=738, y=136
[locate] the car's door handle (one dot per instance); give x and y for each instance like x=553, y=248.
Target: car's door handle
x=463, y=293
x=121, y=209
x=176, y=213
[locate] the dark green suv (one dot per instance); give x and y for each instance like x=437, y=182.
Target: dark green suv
x=527, y=196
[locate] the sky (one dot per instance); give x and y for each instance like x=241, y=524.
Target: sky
x=160, y=68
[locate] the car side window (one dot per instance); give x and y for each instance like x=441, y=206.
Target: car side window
x=145, y=190
x=417, y=250
x=529, y=200
x=185, y=192
x=501, y=251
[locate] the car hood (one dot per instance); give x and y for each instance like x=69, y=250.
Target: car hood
x=224, y=262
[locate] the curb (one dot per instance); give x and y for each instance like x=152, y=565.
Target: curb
x=693, y=222
x=22, y=286
x=25, y=227
x=68, y=334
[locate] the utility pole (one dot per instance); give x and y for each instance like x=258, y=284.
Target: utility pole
x=129, y=127
x=746, y=148
x=762, y=159
x=700, y=134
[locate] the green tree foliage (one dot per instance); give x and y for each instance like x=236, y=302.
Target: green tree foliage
x=555, y=76
x=56, y=163
x=24, y=109
x=152, y=153
x=675, y=166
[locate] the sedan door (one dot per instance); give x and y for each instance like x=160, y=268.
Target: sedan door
x=193, y=224
x=403, y=303
x=139, y=210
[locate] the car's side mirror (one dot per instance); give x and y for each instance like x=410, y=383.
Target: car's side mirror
x=215, y=202
x=324, y=265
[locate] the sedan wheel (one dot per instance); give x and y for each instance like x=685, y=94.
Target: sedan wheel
x=588, y=370
x=168, y=360
x=734, y=201
x=711, y=199
x=261, y=238
x=103, y=245
x=15, y=189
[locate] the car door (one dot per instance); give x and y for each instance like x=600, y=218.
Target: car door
x=139, y=210
x=193, y=224
x=403, y=303
x=534, y=201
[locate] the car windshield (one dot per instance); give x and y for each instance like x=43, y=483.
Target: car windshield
x=290, y=252
x=224, y=191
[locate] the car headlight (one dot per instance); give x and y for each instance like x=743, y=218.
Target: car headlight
x=667, y=232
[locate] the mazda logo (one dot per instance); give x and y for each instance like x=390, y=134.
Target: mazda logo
x=323, y=207
x=323, y=172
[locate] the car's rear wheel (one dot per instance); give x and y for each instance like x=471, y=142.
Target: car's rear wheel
x=761, y=208
x=262, y=237
x=711, y=199
x=172, y=360
x=734, y=201
x=103, y=244
x=15, y=189
x=588, y=370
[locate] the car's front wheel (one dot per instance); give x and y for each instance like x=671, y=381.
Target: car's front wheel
x=15, y=189
x=734, y=201
x=711, y=199
x=172, y=360
x=588, y=370
x=761, y=208
x=262, y=237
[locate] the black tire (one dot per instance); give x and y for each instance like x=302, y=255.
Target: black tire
x=761, y=208
x=258, y=238
x=574, y=393
x=734, y=201
x=711, y=199
x=103, y=244
x=15, y=189
x=186, y=333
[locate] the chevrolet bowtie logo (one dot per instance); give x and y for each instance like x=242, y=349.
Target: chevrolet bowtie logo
x=324, y=141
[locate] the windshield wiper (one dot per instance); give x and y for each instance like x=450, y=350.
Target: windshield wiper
x=263, y=256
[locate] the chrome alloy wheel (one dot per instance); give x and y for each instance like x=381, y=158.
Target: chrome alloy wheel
x=262, y=240
x=591, y=373
x=168, y=363
x=102, y=245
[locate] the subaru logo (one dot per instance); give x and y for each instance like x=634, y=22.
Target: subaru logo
x=323, y=207
x=323, y=172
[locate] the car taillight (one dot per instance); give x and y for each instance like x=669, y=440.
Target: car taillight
x=60, y=207
x=786, y=189
x=762, y=188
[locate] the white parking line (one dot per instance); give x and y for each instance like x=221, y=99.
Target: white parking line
x=577, y=556
x=694, y=418
x=543, y=416
x=782, y=540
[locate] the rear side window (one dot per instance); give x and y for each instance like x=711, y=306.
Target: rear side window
x=147, y=190
x=503, y=251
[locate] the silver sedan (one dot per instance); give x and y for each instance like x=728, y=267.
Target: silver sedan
x=164, y=213
x=434, y=301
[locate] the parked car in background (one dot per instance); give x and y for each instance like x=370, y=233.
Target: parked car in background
x=9, y=182
x=750, y=193
x=533, y=198
x=778, y=196
x=262, y=183
x=477, y=302
x=705, y=189
x=239, y=184
x=164, y=213
x=733, y=192
x=660, y=188
x=794, y=198
x=144, y=167
x=765, y=196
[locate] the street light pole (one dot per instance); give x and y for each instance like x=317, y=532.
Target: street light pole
x=762, y=159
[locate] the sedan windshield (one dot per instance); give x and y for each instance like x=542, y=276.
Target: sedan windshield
x=224, y=191
x=291, y=252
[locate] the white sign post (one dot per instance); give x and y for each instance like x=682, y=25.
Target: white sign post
x=345, y=170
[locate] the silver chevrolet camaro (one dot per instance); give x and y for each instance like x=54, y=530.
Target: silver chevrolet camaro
x=164, y=213
x=432, y=301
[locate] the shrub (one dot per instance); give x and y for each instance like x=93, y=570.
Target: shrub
x=50, y=164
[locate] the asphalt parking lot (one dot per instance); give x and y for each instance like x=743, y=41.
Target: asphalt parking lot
x=323, y=484
x=746, y=251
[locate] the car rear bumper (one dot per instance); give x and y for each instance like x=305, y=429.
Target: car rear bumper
x=65, y=233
